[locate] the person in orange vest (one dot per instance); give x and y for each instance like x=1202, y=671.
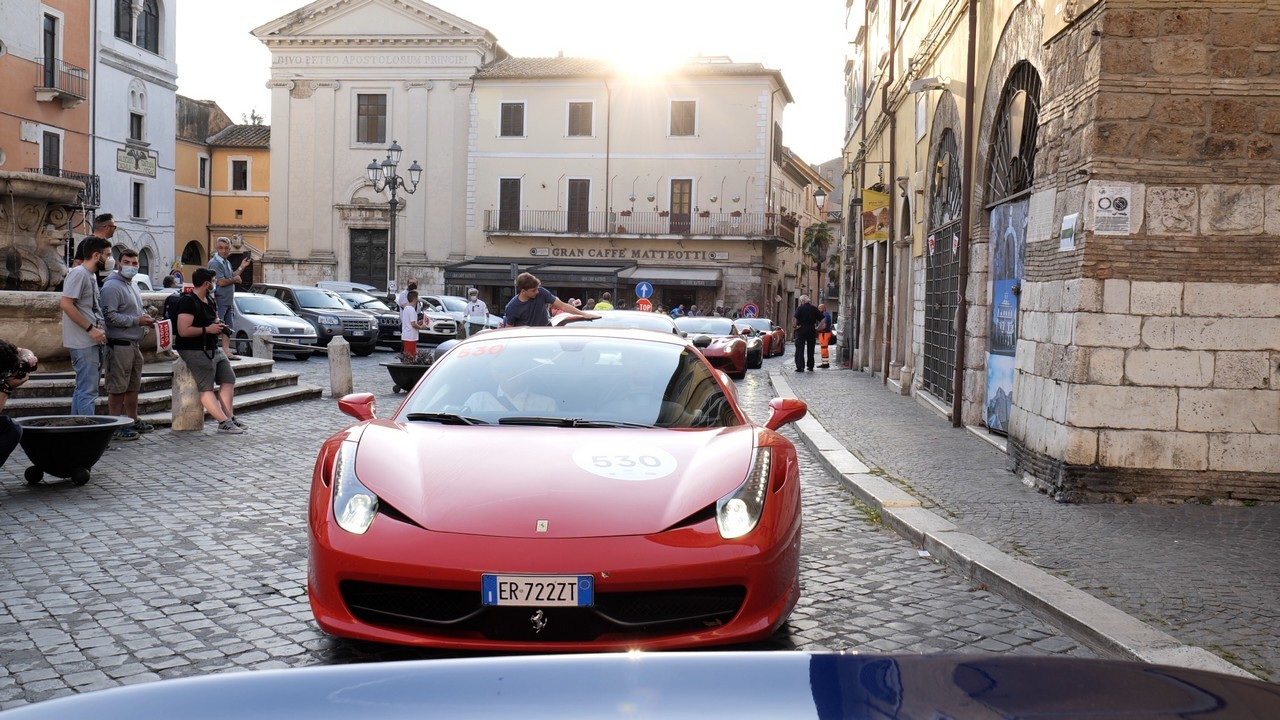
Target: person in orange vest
x=824, y=336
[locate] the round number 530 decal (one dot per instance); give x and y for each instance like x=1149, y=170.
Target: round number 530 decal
x=625, y=462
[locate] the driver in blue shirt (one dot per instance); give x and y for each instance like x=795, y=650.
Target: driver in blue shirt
x=532, y=303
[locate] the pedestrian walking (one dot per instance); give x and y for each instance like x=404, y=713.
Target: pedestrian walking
x=197, y=344
x=806, y=333
x=225, y=293
x=825, y=328
x=126, y=324
x=83, y=332
x=532, y=304
x=476, y=315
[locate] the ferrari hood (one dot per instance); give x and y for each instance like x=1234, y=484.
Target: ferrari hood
x=584, y=482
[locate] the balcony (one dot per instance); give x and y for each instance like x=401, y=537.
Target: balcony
x=58, y=80
x=627, y=223
x=89, y=198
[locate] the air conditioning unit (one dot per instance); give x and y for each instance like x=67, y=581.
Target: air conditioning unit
x=720, y=255
x=540, y=252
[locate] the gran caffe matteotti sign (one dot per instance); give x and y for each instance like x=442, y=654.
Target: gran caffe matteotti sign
x=626, y=253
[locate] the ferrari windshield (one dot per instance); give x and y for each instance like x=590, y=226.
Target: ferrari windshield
x=708, y=325
x=763, y=325
x=573, y=380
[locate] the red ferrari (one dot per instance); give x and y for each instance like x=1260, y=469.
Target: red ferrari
x=558, y=490
x=719, y=341
x=775, y=339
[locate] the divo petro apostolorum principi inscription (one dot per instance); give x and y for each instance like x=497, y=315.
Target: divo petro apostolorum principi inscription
x=383, y=59
x=628, y=254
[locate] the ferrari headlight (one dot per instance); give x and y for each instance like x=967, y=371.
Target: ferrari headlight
x=738, y=512
x=354, y=505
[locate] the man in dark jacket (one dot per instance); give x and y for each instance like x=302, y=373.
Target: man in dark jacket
x=807, y=318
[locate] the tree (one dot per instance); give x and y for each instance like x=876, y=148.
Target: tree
x=817, y=241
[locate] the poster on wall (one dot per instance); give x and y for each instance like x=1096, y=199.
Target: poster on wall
x=1112, y=209
x=875, y=216
x=1008, y=245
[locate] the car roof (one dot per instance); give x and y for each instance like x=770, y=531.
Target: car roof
x=498, y=334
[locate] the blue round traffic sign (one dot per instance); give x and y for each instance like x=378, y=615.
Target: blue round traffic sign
x=750, y=310
x=644, y=289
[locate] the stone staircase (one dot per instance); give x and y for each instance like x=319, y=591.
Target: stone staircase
x=258, y=384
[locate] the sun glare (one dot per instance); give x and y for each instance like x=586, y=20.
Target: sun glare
x=644, y=62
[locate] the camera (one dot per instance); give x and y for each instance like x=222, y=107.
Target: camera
x=225, y=331
x=26, y=364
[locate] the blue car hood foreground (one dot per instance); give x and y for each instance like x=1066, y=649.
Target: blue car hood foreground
x=691, y=685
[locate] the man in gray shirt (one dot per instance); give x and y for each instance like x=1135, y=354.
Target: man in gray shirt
x=224, y=284
x=126, y=326
x=82, y=320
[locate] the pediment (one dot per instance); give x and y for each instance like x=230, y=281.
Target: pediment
x=369, y=18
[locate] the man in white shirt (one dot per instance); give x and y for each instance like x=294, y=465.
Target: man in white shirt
x=402, y=297
x=409, y=325
x=475, y=317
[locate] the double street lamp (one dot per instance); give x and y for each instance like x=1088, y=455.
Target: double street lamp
x=383, y=176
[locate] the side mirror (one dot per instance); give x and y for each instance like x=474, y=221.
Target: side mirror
x=361, y=406
x=785, y=410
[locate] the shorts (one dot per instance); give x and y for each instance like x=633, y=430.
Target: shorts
x=122, y=368
x=208, y=370
x=224, y=313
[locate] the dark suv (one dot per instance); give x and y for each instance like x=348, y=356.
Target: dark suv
x=329, y=315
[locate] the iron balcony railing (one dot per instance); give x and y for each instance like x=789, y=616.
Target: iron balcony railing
x=626, y=222
x=67, y=79
x=90, y=197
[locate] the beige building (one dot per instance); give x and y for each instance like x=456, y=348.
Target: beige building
x=594, y=180
x=348, y=80
x=1065, y=221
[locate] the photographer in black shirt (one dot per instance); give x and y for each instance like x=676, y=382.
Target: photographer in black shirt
x=15, y=366
x=198, y=343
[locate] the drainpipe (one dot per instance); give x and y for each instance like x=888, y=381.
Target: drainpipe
x=893, y=200
x=962, y=308
x=608, y=123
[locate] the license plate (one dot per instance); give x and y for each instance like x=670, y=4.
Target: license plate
x=538, y=590
x=358, y=333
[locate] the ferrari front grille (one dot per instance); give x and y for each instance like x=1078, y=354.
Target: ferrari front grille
x=616, y=614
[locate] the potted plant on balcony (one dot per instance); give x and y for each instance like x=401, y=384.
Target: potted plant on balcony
x=704, y=213
x=663, y=213
x=408, y=370
x=736, y=213
x=625, y=213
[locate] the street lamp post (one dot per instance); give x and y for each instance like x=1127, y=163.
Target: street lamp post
x=820, y=199
x=383, y=176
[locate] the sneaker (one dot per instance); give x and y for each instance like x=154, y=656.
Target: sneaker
x=824, y=366
x=238, y=422
x=127, y=433
x=227, y=427
x=142, y=427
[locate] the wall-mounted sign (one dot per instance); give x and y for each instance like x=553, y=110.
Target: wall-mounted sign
x=875, y=215
x=135, y=161
x=1067, y=236
x=1112, y=206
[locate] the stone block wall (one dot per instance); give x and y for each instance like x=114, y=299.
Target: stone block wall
x=1149, y=363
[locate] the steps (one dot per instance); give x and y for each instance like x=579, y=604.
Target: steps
x=258, y=384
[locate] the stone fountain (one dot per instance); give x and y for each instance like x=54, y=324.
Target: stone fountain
x=34, y=210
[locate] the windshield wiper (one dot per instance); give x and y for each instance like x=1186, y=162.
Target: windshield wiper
x=445, y=418
x=567, y=422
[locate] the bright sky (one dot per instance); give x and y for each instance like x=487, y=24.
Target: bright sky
x=219, y=60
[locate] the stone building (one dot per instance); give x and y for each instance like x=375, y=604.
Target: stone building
x=1116, y=198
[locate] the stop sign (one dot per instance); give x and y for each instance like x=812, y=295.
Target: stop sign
x=644, y=304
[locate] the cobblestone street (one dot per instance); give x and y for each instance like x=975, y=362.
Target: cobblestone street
x=186, y=554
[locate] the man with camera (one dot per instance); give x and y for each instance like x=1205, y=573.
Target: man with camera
x=198, y=333
x=15, y=365
x=225, y=281
x=126, y=326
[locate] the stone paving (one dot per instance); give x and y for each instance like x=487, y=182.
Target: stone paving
x=186, y=554
x=1208, y=575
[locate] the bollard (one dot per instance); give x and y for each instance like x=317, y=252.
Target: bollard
x=262, y=344
x=340, y=367
x=186, y=412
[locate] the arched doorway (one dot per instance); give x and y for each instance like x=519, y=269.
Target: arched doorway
x=942, y=269
x=1010, y=176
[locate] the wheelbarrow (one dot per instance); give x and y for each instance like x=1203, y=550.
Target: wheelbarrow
x=66, y=446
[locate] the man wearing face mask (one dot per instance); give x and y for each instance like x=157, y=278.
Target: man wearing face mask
x=197, y=333
x=83, y=333
x=126, y=325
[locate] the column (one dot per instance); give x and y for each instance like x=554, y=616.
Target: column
x=278, y=212
x=324, y=232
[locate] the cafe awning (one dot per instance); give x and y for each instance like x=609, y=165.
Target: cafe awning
x=697, y=277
